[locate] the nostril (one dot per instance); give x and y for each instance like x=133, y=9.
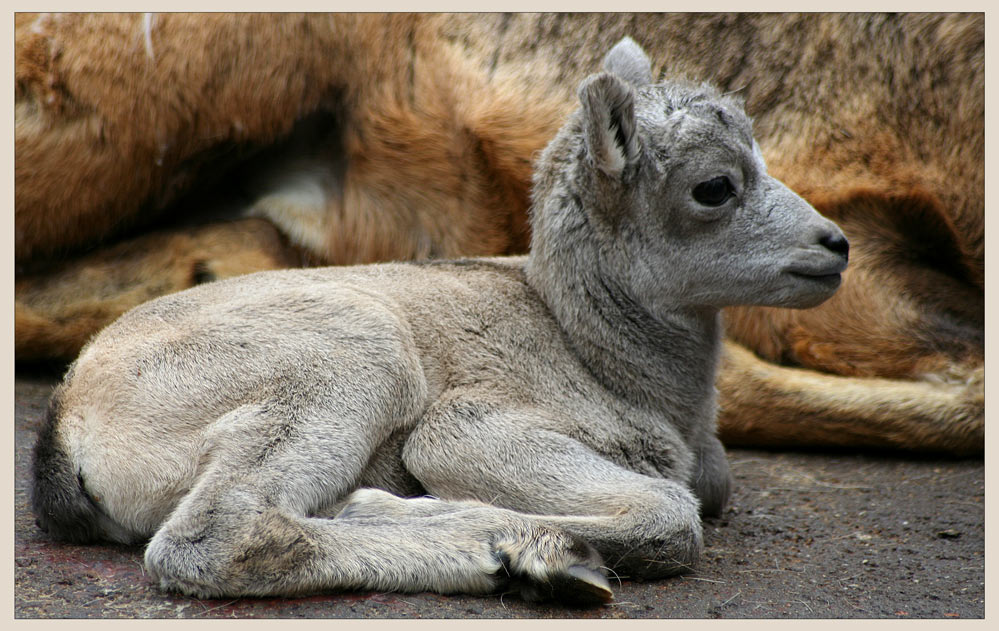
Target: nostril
x=837, y=243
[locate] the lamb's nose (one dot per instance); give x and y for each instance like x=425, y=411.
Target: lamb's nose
x=836, y=242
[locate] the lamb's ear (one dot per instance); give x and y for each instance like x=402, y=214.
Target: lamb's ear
x=628, y=61
x=609, y=123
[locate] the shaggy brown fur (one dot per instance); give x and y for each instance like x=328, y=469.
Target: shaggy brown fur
x=417, y=132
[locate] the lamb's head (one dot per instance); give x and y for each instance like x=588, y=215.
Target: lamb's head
x=662, y=187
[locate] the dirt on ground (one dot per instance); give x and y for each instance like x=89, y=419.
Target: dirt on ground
x=806, y=535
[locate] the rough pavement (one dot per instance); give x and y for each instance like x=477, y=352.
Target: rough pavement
x=807, y=535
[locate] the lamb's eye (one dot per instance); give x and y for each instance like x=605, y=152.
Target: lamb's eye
x=713, y=192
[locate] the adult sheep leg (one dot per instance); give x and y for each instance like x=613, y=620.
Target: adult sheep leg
x=766, y=404
x=57, y=309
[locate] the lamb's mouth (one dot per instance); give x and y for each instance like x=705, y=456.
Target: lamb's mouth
x=832, y=279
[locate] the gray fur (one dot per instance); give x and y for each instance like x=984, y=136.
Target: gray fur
x=628, y=61
x=556, y=412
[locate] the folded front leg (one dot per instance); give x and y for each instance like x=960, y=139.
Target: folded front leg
x=643, y=526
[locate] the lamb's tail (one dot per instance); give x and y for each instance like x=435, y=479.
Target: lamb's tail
x=61, y=504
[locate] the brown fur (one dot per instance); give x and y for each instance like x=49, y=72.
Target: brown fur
x=878, y=121
x=68, y=303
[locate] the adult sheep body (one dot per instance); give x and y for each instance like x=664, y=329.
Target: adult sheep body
x=354, y=138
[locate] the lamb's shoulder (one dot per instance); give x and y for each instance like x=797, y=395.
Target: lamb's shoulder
x=479, y=323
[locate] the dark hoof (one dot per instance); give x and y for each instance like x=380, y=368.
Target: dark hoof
x=584, y=586
x=579, y=586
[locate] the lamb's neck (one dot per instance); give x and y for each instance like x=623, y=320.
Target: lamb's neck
x=665, y=361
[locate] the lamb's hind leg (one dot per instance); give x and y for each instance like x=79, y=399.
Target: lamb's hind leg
x=538, y=560
x=247, y=527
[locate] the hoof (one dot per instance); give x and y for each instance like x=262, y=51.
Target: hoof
x=583, y=586
x=577, y=586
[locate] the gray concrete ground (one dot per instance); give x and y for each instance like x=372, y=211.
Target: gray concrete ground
x=807, y=535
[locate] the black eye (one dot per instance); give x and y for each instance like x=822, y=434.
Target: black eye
x=714, y=192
